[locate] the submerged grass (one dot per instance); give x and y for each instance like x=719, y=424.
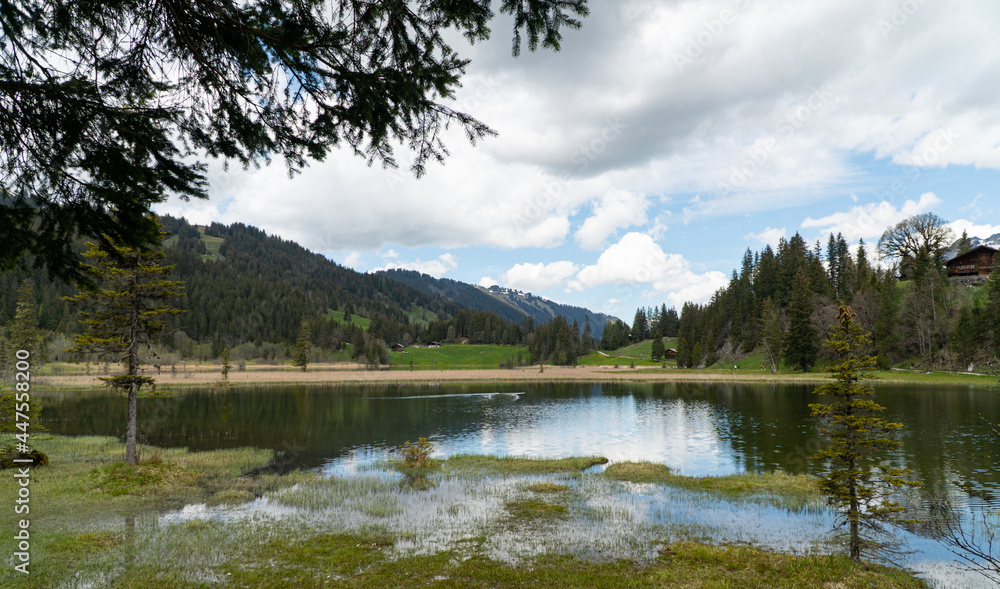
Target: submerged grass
x=798, y=489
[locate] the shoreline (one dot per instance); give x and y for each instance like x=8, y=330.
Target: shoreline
x=208, y=374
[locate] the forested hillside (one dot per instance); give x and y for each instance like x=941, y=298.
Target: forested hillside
x=509, y=304
x=250, y=292
x=781, y=303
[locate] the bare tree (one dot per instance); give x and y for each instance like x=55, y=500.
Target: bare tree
x=921, y=234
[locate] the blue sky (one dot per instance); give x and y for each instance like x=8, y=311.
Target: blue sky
x=637, y=165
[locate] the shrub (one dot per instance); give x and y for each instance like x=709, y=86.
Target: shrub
x=417, y=455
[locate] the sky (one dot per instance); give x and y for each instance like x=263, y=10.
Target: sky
x=637, y=165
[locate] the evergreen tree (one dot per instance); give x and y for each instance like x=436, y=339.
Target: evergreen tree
x=124, y=317
x=964, y=243
x=103, y=104
x=772, y=334
x=303, y=345
x=967, y=335
x=24, y=334
x=886, y=329
x=991, y=313
x=639, y=326
x=657, y=352
x=800, y=343
x=858, y=436
x=226, y=365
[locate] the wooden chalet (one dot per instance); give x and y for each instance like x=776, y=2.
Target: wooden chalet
x=398, y=348
x=670, y=354
x=977, y=262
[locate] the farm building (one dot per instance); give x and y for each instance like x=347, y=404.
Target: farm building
x=975, y=263
x=670, y=354
x=398, y=348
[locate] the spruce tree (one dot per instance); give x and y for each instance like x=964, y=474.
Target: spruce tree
x=858, y=436
x=24, y=333
x=226, y=365
x=657, y=352
x=123, y=315
x=303, y=345
x=800, y=342
x=772, y=334
x=104, y=106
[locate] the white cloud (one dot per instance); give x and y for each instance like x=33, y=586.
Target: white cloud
x=616, y=210
x=487, y=281
x=444, y=263
x=637, y=259
x=352, y=260
x=981, y=231
x=870, y=220
x=769, y=236
x=535, y=277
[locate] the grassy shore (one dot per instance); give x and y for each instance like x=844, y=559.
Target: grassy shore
x=70, y=376
x=97, y=522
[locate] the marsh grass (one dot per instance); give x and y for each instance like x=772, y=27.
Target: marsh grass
x=547, y=487
x=534, y=509
x=364, y=561
x=789, y=490
x=511, y=465
x=482, y=523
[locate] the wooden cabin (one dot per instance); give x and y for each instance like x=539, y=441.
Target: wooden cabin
x=398, y=348
x=977, y=262
x=670, y=354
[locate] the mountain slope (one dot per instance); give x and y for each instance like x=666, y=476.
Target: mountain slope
x=511, y=305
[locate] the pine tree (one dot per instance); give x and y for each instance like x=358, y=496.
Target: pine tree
x=858, y=436
x=303, y=345
x=800, y=342
x=657, y=352
x=226, y=365
x=772, y=334
x=103, y=104
x=124, y=317
x=24, y=334
x=964, y=243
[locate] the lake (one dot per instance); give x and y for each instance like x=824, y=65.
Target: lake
x=695, y=428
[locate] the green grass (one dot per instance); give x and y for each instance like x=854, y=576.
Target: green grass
x=362, y=322
x=84, y=533
x=533, y=509
x=452, y=356
x=796, y=489
x=362, y=561
x=596, y=359
x=547, y=487
x=640, y=353
x=212, y=244
x=509, y=465
x=416, y=314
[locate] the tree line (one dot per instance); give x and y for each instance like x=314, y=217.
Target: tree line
x=255, y=297
x=780, y=302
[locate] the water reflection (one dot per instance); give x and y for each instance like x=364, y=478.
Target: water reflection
x=697, y=428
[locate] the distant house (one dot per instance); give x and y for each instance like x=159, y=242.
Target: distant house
x=398, y=348
x=433, y=345
x=975, y=263
x=670, y=354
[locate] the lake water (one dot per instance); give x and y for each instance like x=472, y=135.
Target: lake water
x=696, y=428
